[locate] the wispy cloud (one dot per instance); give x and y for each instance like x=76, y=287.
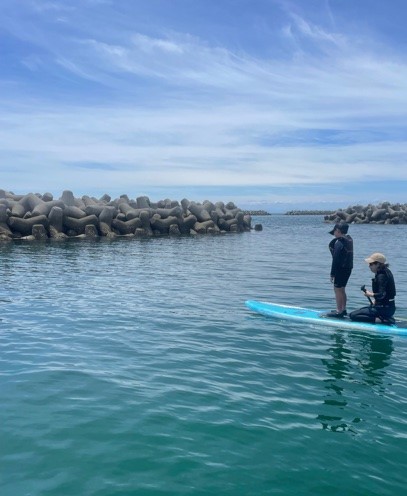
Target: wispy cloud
x=299, y=29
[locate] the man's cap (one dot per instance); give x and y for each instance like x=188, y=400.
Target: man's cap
x=376, y=257
x=342, y=226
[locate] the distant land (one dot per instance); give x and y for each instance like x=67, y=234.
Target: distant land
x=310, y=212
x=290, y=212
x=257, y=212
x=284, y=207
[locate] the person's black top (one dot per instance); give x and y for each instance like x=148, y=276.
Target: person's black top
x=342, y=254
x=383, y=287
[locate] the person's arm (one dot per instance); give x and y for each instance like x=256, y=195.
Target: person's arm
x=381, y=289
x=331, y=246
x=336, y=258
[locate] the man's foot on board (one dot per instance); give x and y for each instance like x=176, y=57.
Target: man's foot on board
x=334, y=314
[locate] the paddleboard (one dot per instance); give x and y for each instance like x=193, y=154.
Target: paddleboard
x=306, y=315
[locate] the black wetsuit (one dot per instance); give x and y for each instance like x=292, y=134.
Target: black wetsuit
x=384, y=290
x=342, y=260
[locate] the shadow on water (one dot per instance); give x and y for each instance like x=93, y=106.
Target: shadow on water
x=356, y=368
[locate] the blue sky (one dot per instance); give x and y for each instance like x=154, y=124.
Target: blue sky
x=255, y=101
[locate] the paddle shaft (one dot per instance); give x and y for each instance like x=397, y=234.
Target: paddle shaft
x=363, y=288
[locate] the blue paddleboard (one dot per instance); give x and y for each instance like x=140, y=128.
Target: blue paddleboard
x=298, y=314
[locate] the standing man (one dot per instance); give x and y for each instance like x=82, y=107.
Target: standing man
x=341, y=248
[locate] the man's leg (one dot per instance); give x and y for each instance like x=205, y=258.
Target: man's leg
x=340, y=297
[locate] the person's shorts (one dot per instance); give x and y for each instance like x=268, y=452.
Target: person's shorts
x=342, y=278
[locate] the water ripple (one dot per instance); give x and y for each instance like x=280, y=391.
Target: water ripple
x=134, y=368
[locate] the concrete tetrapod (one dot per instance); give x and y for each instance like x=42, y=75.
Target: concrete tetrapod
x=91, y=217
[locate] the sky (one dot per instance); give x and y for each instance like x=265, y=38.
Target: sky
x=261, y=102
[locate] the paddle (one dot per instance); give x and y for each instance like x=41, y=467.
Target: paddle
x=363, y=288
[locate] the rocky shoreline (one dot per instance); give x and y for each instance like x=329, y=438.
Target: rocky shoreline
x=383, y=213
x=40, y=217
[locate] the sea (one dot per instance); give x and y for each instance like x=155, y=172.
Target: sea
x=132, y=367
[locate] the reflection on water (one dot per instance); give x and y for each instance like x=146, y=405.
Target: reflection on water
x=374, y=358
x=363, y=361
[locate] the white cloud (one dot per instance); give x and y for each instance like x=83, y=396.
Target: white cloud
x=150, y=45
x=314, y=32
x=204, y=152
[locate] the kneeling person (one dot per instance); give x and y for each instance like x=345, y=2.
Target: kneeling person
x=383, y=291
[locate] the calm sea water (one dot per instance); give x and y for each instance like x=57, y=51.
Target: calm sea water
x=133, y=368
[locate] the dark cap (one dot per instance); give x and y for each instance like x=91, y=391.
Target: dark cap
x=343, y=227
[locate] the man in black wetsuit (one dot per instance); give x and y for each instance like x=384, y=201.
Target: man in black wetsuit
x=341, y=248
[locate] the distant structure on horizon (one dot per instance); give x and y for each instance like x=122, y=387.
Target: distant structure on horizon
x=309, y=212
x=256, y=212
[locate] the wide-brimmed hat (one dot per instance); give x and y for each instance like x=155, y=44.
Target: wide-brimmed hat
x=342, y=226
x=376, y=257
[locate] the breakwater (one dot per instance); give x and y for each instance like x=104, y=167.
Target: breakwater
x=383, y=213
x=40, y=217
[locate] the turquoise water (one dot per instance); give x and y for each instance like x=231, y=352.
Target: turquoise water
x=133, y=368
